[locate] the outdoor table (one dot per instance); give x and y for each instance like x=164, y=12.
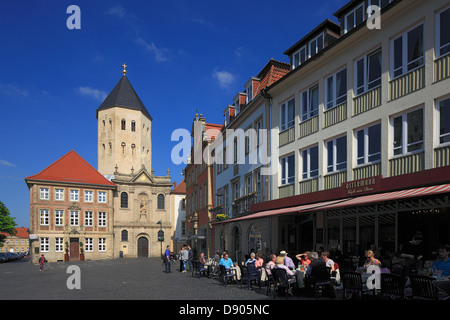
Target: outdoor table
x=300, y=276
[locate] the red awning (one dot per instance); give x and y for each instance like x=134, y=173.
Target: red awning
x=296, y=209
x=389, y=196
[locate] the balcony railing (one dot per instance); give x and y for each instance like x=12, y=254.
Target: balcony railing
x=241, y=206
x=442, y=68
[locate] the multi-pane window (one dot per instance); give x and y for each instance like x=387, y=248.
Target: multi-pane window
x=59, y=244
x=259, y=187
x=310, y=163
x=249, y=94
x=45, y=244
x=299, y=57
x=368, y=72
x=124, y=235
x=102, y=196
x=443, y=32
x=236, y=190
x=102, y=219
x=287, y=165
x=74, y=218
x=161, y=202
x=368, y=141
x=44, y=193
x=287, y=115
x=133, y=126
x=59, y=194
x=44, y=217
x=309, y=103
x=102, y=244
x=248, y=184
x=88, y=218
x=74, y=195
x=407, y=52
x=354, y=18
x=316, y=45
x=379, y=3
x=336, y=154
x=443, y=107
x=407, y=132
x=259, y=126
x=336, y=89
x=88, y=196
x=124, y=200
x=59, y=217
x=88, y=244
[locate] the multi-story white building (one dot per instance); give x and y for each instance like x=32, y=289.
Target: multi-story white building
x=363, y=114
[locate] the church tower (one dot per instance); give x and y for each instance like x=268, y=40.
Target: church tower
x=124, y=131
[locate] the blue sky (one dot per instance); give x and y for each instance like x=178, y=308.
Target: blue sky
x=181, y=56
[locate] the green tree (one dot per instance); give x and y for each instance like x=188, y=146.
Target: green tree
x=7, y=223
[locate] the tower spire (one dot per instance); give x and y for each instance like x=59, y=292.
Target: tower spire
x=124, y=71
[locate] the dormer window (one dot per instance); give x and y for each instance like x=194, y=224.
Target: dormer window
x=354, y=18
x=237, y=106
x=249, y=93
x=299, y=57
x=315, y=45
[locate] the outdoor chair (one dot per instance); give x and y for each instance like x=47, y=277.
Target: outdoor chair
x=321, y=279
x=270, y=283
x=197, y=269
x=352, y=283
x=423, y=288
x=250, y=273
x=226, y=274
x=282, y=281
x=392, y=286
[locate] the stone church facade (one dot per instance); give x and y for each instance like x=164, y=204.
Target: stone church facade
x=142, y=199
x=78, y=212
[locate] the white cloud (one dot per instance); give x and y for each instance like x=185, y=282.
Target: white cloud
x=10, y=89
x=151, y=47
x=6, y=163
x=117, y=11
x=92, y=92
x=225, y=78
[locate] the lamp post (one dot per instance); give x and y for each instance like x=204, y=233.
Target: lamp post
x=160, y=234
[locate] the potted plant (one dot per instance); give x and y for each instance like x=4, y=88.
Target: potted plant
x=81, y=251
x=221, y=217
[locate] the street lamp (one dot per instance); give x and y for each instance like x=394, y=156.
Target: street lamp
x=160, y=234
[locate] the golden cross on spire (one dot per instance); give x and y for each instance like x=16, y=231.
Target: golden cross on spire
x=124, y=71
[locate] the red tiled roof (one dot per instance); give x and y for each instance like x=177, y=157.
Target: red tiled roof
x=181, y=188
x=21, y=233
x=71, y=168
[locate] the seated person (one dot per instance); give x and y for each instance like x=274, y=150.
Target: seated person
x=271, y=264
x=304, y=258
x=259, y=260
x=443, y=262
x=251, y=259
x=202, y=260
x=226, y=261
x=287, y=261
x=317, y=271
x=371, y=261
x=279, y=264
x=329, y=263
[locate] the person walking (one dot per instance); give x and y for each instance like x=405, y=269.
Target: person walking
x=167, y=259
x=190, y=258
x=184, y=258
x=41, y=263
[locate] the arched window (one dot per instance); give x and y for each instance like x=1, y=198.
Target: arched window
x=124, y=200
x=124, y=235
x=123, y=147
x=160, y=201
x=133, y=125
x=123, y=124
